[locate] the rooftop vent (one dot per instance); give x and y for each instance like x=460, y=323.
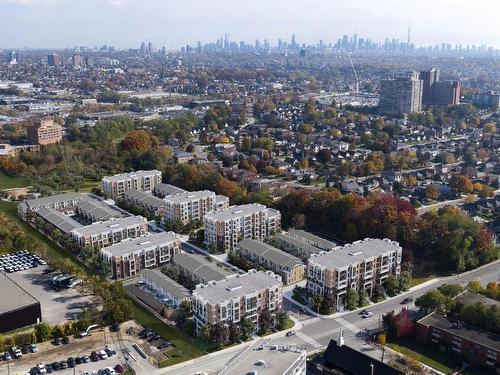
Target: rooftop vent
x=230, y=288
x=354, y=253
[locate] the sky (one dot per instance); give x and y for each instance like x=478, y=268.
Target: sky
x=173, y=23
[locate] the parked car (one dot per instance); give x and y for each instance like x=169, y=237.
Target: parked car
x=7, y=356
x=65, y=340
x=85, y=359
x=33, y=348
x=119, y=369
x=94, y=356
x=57, y=341
x=16, y=352
x=290, y=333
x=63, y=364
x=25, y=349
x=103, y=354
x=40, y=367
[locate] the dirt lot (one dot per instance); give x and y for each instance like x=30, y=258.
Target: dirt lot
x=57, y=306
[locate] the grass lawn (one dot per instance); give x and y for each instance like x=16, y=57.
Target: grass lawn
x=54, y=251
x=425, y=354
x=7, y=182
x=419, y=280
x=184, y=350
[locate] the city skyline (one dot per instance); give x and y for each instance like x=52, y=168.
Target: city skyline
x=61, y=24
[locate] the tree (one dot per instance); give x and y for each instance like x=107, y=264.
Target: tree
x=404, y=281
x=432, y=192
x=351, y=299
x=316, y=302
x=461, y=184
x=265, y=321
x=234, y=332
x=451, y=290
x=43, y=332
x=206, y=332
x=432, y=300
x=392, y=285
x=281, y=320
x=247, y=328
x=137, y=140
x=299, y=221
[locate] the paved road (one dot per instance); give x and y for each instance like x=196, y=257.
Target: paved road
x=315, y=333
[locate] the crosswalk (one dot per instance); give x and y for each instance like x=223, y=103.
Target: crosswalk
x=347, y=325
x=309, y=340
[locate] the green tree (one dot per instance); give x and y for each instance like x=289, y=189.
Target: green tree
x=404, y=281
x=351, y=299
x=451, y=290
x=316, y=302
x=43, y=332
x=392, y=285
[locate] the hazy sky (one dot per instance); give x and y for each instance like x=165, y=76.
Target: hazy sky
x=172, y=23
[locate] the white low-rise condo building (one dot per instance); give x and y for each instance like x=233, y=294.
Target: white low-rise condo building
x=129, y=257
x=106, y=233
x=115, y=186
x=189, y=207
x=360, y=266
x=237, y=298
x=226, y=228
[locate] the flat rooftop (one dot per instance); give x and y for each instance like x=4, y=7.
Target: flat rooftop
x=126, y=176
x=189, y=196
x=275, y=362
x=465, y=331
x=238, y=211
x=112, y=225
x=141, y=243
x=467, y=298
x=355, y=252
x=13, y=297
x=236, y=286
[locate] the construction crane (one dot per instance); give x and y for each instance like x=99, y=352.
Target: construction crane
x=356, y=92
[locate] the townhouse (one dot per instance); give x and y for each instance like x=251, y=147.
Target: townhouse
x=115, y=186
x=312, y=239
x=106, y=233
x=360, y=266
x=189, y=207
x=197, y=269
x=290, y=268
x=237, y=298
x=171, y=292
x=294, y=246
x=162, y=190
x=154, y=206
x=224, y=229
x=128, y=257
x=93, y=209
x=60, y=202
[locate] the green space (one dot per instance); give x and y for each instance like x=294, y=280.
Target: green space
x=184, y=349
x=426, y=354
x=53, y=251
x=422, y=279
x=8, y=182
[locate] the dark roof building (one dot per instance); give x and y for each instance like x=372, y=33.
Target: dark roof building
x=18, y=308
x=343, y=359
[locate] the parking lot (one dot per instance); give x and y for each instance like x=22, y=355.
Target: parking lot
x=48, y=353
x=57, y=306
